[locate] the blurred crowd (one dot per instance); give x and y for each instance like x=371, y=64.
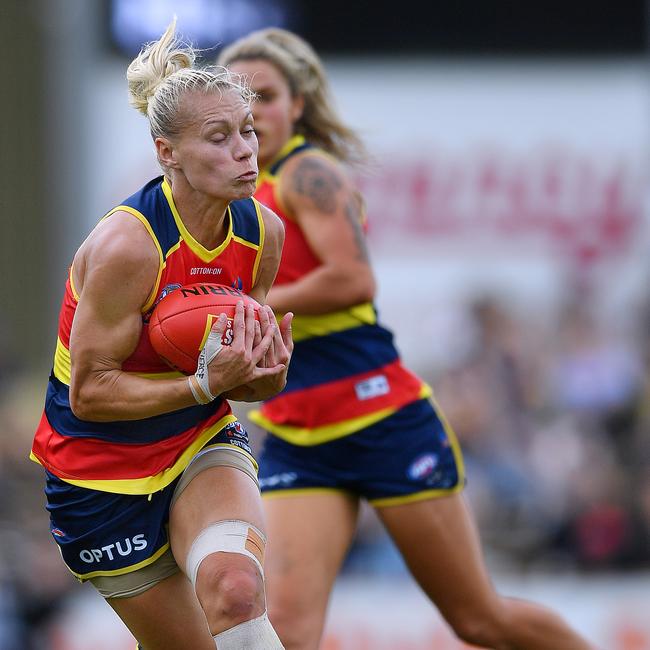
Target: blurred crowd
x=552, y=414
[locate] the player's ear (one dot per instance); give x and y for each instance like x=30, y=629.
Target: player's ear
x=297, y=107
x=166, y=152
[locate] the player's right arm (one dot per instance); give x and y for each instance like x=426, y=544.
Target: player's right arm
x=114, y=272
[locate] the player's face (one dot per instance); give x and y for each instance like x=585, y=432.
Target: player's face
x=217, y=148
x=275, y=110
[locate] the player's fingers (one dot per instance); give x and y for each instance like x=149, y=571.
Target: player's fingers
x=286, y=332
x=212, y=345
x=265, y=320
x=259, y=351
x=267, y=315
x=258, y=334
x=238, y=325
x=249, y=326
x=277, y=369
x=217, y=330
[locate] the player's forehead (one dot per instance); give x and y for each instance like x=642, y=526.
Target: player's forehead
x=219, y=106
x=260, y=73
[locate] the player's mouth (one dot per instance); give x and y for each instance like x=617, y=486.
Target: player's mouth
x=248, y=176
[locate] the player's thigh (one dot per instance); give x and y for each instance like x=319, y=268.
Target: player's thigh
x=215, y=494
x=309, y=535
x=166, y=617
x=440, y=544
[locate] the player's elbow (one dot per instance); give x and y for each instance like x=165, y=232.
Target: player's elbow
x=363, y=287
x=80, y=406
x=82, y=403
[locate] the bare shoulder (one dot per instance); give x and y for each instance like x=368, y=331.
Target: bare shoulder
x=119, y=248
x=314, y=178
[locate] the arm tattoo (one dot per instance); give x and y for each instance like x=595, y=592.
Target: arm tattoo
x=353, y=214
x=312, y=178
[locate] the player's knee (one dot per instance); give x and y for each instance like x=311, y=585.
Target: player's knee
x=229, y=595
x=297, y=624
x=225, y=566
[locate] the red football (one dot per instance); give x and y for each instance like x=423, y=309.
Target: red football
x=181, y=321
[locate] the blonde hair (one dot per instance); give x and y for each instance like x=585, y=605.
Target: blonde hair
x=164, y=71
x=305, y=74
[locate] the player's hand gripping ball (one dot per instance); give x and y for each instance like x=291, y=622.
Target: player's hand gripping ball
x=181, y=321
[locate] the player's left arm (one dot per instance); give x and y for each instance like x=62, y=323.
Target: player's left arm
x=319, y=197
x=282, y=345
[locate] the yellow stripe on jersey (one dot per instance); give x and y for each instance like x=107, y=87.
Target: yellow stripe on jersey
x=274, y=179
x=451, y=436
x=306, y=437
x=62, y=362
x=260, y=249
x=304, y=327
x=145, y=222
x=171, y=374
x=151, y=484
x=75, y=295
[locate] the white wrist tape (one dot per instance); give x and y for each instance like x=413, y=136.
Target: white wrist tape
x=231, y=536
x=257, y=634
x=210, y=350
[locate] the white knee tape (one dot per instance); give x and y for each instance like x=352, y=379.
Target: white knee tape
x=230, y=536
x=257, y=634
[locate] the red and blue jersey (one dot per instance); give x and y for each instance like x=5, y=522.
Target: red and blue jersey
x=143, y=456
x=345, y=372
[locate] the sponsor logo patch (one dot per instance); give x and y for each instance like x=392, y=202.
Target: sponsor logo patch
x=422, y=467
x=111, y=551
x=372, y=387
x=278, y=480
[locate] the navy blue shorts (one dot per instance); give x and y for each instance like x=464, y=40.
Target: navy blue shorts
x=103, y=533
x=408, y=456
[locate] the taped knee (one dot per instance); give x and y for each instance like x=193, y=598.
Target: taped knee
x=229, y=536
x=257, y=634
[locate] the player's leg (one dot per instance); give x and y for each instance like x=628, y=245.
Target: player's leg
x=439, y=542
x=119, y=543
x=215, y=527
x=166, y=617
x=309, y=535
x=414, y=484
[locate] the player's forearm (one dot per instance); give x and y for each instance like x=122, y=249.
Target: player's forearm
x=104, y=396
x=322, y=291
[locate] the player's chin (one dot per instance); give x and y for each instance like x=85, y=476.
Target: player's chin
x=244, y=188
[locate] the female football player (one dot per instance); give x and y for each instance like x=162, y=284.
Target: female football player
x=147, y=471
x=352, y=423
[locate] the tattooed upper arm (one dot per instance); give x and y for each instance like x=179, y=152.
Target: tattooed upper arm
x=354, y=215
x=323, y=202
x=317, y=180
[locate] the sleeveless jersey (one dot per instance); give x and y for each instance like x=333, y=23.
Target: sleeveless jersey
x=345, y=372
x=143, y=456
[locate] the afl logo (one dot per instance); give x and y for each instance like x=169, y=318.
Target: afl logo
x=167, y=290
x=422, y=467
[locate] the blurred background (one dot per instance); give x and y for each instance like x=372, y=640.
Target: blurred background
x=509, y=226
